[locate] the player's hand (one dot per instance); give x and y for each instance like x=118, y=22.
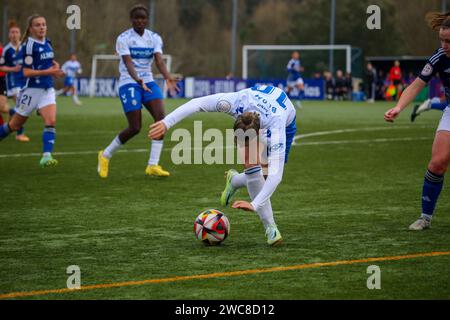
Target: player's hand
x=172, y=86
x=391, y=114
x=157, y=130
x=143, y=85
x=55, y=71
x=243, y=205
x=16, y=68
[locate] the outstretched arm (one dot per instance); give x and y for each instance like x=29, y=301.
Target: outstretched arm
x=406, y=98
x=203, y=104
x=170, y=80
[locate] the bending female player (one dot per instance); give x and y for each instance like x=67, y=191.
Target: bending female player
x=38, y=93
x=138, y=47
x=264, y=108
x=11, y=64
x=439, y=63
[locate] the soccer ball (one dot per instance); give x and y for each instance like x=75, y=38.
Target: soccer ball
x=211, y=227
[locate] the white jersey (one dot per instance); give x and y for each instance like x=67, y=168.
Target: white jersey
x=71, y=68
x=141, y=49
x=276, y=113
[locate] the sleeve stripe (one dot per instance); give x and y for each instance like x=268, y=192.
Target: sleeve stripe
x=437, y=55
x=29, y=50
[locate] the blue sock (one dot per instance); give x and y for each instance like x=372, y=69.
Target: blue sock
x=5, y=130
x=432, y=187
x=438, y=105
x=48, y=138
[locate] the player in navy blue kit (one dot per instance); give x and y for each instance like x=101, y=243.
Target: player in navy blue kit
x=294, y=81
x=137, y=48
x=10, y=62
x=39, y=68
x=438, y=63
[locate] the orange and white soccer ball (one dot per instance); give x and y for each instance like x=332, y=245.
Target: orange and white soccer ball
x=212, y=227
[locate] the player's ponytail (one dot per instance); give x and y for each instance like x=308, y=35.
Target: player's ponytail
x=438, y=20
x=29, y=24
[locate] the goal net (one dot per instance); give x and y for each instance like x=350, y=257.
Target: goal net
x=270, y=61
x=106, y=65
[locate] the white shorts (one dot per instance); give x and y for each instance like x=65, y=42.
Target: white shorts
x=292, y=84
x=31, y=99
x=444, y=125
x=14, y=92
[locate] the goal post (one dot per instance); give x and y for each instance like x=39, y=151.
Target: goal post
x=112, y=57
x=247, y=48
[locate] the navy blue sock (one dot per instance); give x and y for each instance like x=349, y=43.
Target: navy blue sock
x=432, y=187
x=48, y=139
x=5, y=130
x=438, y=106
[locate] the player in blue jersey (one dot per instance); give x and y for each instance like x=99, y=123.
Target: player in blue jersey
x=438, y=63
x=268, y=112
x=294, y=81
x=39, y=68
x=138, y=47
x=71, y=69
x=11, y=63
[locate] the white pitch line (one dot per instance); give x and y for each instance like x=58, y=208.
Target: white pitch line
x=380, y=140
x=312, y=143
x=300, y=136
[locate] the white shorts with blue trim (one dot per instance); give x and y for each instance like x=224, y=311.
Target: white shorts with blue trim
x=31, y=99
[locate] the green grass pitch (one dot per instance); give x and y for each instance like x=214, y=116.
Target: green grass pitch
x=348, y=193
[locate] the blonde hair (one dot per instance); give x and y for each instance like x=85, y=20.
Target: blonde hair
x=29, y=24
x=246, y=121
x=438, y=20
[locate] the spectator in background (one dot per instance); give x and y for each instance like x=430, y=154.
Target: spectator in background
x=409, y=79
x=395, y=78
x=381, y=85
x=329, y=85
x=340, y=86
x=349, y=85
x=370, y=82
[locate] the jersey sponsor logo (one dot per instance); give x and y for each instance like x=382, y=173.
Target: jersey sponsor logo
x=427, y=70
x=47, y=55
x=141, y=53
x=28, y=60
x=223, y=106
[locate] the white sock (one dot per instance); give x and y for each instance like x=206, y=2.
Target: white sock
x=155, y=152
x=239, y=181
x=426, y=105
x=75, y=98
x=255, y=182
x=112, y=148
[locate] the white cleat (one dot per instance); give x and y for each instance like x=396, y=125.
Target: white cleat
x=274, y=237
x=420, y=224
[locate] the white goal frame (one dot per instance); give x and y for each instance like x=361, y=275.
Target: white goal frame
x=247, y=48
x=95, y=58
